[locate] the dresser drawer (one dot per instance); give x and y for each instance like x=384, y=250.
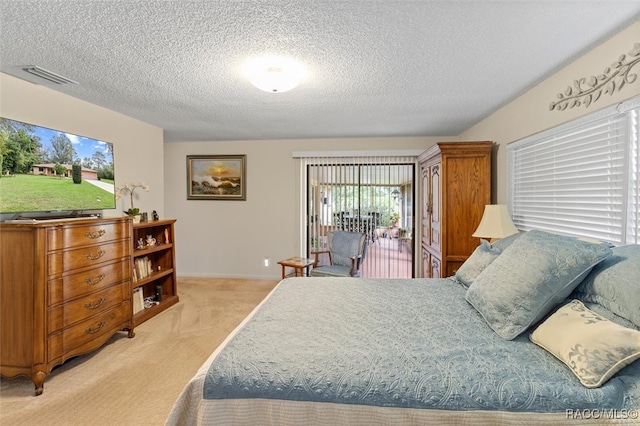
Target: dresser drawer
x=90, y=256
x=76, y=310
x=73, y=285
x=84, y=333
x=71, y=236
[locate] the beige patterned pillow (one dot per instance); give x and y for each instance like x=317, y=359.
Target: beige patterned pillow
x=593, y=347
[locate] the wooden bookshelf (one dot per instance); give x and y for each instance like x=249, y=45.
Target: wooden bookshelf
x=153, y=268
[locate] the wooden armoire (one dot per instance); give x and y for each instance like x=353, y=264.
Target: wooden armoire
x=456, y=185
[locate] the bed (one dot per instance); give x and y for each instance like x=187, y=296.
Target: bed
x=471, y=349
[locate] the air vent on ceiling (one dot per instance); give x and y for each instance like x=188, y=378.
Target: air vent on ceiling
x=48, y=75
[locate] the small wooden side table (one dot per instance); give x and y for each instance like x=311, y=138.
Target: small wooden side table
x=299, y=264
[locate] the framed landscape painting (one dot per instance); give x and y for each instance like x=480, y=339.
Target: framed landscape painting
x=217, y=177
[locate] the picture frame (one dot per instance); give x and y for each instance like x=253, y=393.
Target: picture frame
x=217, y=177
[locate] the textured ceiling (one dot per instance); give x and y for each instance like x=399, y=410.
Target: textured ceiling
x=375, y=67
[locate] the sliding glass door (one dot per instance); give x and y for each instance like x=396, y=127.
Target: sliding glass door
x=370, y=195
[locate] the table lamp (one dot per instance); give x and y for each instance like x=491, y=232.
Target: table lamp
x=495, y=224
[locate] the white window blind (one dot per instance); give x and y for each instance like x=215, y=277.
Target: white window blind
x=633, y=202
x=580, y=178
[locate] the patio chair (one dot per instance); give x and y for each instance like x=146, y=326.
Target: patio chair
x=375, y=222
x=346, y=252
x=404, y=236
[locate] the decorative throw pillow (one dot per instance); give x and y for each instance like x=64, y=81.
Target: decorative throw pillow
x=502, y=244
x=615, y=283
x=593, y=347
x=534, y=274
x=481, y=257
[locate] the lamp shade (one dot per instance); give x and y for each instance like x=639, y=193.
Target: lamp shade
x=496, y=223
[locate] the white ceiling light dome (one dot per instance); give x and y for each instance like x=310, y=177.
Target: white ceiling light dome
x=274, y=74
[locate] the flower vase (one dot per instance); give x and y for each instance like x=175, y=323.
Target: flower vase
x=136, y=218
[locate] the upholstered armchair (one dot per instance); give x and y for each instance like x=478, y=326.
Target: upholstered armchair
x=346, y=252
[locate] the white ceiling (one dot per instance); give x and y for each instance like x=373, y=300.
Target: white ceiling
x=376, y=67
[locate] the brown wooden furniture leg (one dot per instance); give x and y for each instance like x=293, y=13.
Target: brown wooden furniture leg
x=38, y=380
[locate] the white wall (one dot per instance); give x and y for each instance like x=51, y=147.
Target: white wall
x=529, y=113
x=232, y=238
x=138, y=153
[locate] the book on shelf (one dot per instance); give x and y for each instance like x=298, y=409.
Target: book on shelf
x=142, y=268
x=138, y=300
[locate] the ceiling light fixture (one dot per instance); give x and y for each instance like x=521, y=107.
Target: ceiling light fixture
x=274, y=74
x=395, y=193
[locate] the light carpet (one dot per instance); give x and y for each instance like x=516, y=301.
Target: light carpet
x=136, y=381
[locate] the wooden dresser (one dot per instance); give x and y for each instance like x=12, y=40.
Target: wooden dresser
x=65, y=289
x=456, y=185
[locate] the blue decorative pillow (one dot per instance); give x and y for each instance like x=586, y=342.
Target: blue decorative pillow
x=481, y=257
x=534, y=274
x=502, y=244
x=615, y=284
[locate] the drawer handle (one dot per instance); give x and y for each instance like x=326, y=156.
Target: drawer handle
x=98, y=303
x=92, y=281
x=92, y=330
x=97, y=256
x=94, y=235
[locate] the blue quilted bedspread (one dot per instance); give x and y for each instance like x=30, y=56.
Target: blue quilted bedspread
x=397, y=343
